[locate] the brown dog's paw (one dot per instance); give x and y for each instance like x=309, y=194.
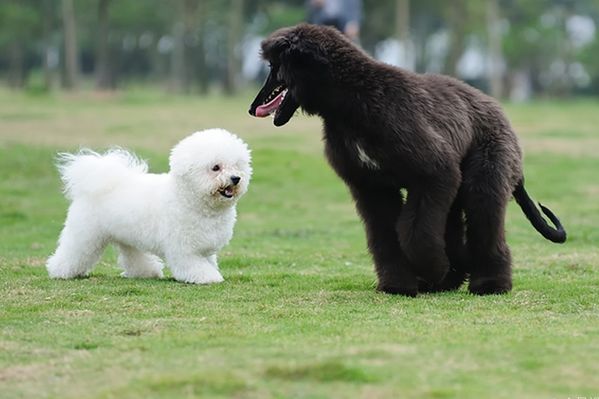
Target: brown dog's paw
x=398, y=290
x=490, y=286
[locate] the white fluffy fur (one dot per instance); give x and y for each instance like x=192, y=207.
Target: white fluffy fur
x=180, y=216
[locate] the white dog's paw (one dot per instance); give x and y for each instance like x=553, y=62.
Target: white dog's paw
x=150, y=268
x=147, y=273
x=137, y=264
x=64, y=274
x=203, y=275
x=59, y=270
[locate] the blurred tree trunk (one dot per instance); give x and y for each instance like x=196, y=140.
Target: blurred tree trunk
x=16, y=65
x=233, y=40
x=48, y=63
x=402, y=29
x=192, y=41
x=70, y=45
x=566, y=52
x=495, y=54
x=456, y=19
x=177, y=81
x=201, y=69
x=181, y=59
x=104, y=75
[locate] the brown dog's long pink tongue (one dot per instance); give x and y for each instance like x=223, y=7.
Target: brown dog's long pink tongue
x=267, y=109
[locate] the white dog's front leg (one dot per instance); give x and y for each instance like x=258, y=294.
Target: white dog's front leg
x=194, y=269
x=213, y=261
x=136, y=263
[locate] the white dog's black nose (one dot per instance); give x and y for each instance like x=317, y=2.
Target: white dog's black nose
x=235, y=179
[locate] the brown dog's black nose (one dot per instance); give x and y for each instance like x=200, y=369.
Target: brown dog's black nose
x=235, y=179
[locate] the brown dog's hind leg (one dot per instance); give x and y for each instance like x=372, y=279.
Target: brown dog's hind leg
x=455, y=248
x=485, y=206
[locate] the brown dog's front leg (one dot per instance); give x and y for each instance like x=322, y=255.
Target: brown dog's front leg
x=380, y=209
x=421, y=227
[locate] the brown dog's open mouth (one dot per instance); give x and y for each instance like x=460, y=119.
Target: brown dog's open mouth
x=275, y=99
x=272, y=102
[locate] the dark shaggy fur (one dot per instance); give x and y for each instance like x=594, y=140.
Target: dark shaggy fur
x=386, y=129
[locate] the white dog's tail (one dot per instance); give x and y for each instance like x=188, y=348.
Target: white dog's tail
x=89, y=173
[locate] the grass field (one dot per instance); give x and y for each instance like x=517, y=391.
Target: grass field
x=298, y=315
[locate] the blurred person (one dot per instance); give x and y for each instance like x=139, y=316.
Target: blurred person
x=345, y=15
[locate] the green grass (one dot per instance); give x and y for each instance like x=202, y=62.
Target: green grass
x=298, y=315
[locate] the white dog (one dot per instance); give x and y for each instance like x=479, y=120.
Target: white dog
x=185, y=216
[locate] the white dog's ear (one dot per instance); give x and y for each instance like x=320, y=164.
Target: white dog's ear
x=180, y=161
x=177, y=169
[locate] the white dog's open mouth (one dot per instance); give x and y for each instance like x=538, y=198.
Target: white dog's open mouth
x=227, y=192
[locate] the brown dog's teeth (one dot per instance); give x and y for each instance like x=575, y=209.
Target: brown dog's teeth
x=274, y=93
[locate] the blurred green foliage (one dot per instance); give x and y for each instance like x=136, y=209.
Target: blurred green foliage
x=143, y=42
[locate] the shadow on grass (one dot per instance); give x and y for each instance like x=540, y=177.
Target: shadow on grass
x=193, y=385
x=328, y=371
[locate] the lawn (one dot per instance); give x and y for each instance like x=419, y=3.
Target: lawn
x=298, y=315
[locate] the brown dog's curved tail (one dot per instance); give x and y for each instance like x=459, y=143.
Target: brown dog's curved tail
x=557, y=234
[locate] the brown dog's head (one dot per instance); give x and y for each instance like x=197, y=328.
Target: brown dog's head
x=300, y=70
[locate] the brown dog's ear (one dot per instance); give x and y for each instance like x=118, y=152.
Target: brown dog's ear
x=272, y=48
x=306, y=52
x=292, y=48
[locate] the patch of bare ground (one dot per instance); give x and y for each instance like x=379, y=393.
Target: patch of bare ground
x=572, y=147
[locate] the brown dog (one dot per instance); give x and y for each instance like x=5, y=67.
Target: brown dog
x=386, y=129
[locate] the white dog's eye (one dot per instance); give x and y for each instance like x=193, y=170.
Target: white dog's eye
x=216, y=168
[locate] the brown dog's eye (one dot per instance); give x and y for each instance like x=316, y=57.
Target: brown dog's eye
x=216, y=168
